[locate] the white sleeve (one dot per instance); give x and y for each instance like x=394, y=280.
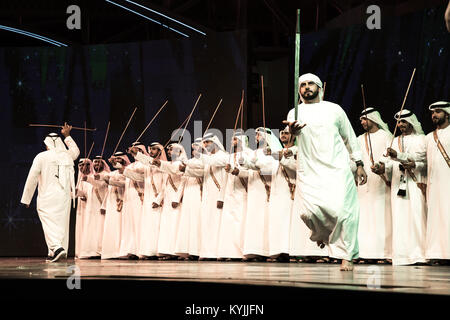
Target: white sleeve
x=133, y=174
x=32, y=181
x=144, y=159
x=73, y=148
x=349, y=136
x=170, y=167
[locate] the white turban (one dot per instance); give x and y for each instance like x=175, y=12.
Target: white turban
x=272, y=141
x=411, y=118
x=373, y=115
x=213, y=138
x=443, y=105
x=311, y=77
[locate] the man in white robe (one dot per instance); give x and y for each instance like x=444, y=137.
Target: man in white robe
x=330, y=202
x=281, y=202
x=231, y=233
x=438, y=183
x=83, y=191
x=86, y=233
x=99, y=191
x=132, y=209
x=409, y=214
x=153, y=197
x=113, y=207
x=192, y=202
x=214, y=159
x=261, y=166
x=52, y=173
x=173, y=196
x=375, y=218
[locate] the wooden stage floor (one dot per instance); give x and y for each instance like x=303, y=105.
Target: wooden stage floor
x=423, y=280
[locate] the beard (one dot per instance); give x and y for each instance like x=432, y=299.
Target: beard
x=438, y=121
x=310, y=97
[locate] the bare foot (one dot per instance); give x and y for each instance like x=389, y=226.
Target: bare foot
x=346, y=265
x=321, y=244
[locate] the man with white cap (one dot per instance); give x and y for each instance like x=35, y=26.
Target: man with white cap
x=112, y=207
x=330, y=201
x=375, y=218
x=214, y=159
x=52, y=173
x=438, y=183
x=261, y=166
x=409, y=213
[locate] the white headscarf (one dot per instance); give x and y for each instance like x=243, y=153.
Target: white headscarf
x=63, y=160
x=411, y=118
x=272, y=141
x=213, y=138
x=311, y=77
x=373, y=115
x=443, y=105
x=140, y=146
x=162, y=154
x=182, y=157
x=106, y=167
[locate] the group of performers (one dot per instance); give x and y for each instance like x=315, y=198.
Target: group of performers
x=320, y=192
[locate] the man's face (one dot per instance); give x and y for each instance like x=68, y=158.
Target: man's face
x=98, y=165
x=235, y=142
x=259, y=137
x=367, y=124
x=309, y=90
x=405, y=127
x=209, y=145
x=285, y=136
x=169, y=151
x=438, y=116
x=154, y=152
x=85, y=168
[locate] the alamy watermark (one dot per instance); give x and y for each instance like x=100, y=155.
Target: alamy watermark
x=74, y=280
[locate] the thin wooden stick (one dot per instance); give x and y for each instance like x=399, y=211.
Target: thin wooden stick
x=190, y=115
x=106, y=137
x=160, y=109
x=242, y=110
x=58, y=126
x=401, y=109
x=237, y=119
x=123, y=132
x=263, y=111
x=181, y=125
x=90, y=150
x=367, y=130
x=85, y=139
x=214, y=114
x=262, y=92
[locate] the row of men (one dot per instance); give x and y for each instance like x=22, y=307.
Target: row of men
x=245, y=204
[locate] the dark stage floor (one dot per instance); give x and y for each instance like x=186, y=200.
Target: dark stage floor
x=225, y=282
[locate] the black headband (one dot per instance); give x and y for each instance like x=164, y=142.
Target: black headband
x=403, y=116
x=367, y=111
